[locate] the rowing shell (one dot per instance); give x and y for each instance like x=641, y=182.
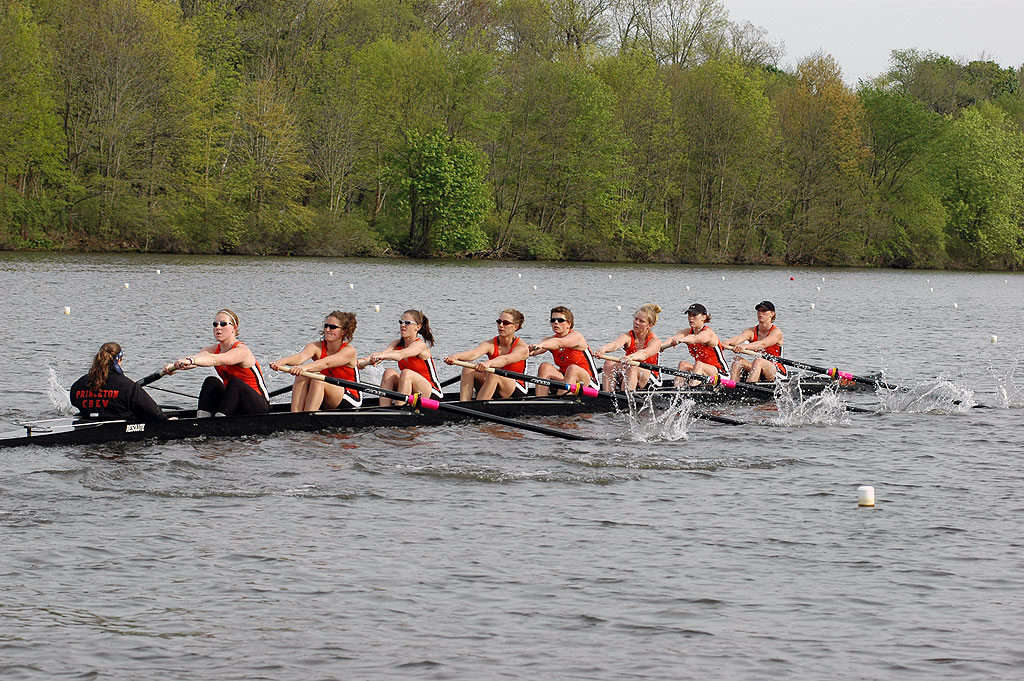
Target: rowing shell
x=67, y=431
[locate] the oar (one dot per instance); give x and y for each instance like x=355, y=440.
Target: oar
x=146, y=380
x=711, y=381
x=579, y=388
x=833, y=372
x=429, y=403
x=281, y=391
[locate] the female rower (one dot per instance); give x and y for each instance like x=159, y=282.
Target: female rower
x=504, y=351
x=334, y=356
x=703, y=344
x=573, y=362
x=765, y=337
x=641, y=345
x=106, y=393
x=411, y=350
x=240, y=388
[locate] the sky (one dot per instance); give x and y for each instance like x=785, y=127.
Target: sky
x=860, y=34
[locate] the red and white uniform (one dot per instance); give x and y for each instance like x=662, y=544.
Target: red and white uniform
x=653, y=359
x=518, y=367
x=709, y=355
x=252, y=376
x=566, y=357
x=773, y=350
x=353, y=397
x=426, y=370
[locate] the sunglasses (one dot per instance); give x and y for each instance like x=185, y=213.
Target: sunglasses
x=503, y=322
x=405, y=322
x=216, y=324
x=558, y=320
x=332, y=327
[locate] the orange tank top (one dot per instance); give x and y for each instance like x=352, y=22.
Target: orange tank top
x=345, y=373
x=773, y=350
x=252, y=377
x=707, y=354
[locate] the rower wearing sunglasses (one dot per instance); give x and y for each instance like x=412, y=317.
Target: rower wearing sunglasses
x=240, y=388
x=416, y=373
x=573, y=362
x=333, y=355
x=504, y=351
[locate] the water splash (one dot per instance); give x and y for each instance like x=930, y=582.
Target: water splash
x=939, y=396
x=58, y=394
x=669, y=421
x=1009, y=392
x=826, y=408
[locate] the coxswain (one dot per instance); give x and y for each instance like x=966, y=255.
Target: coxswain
x=573, y=362
x=333, y=355
x=106, y=393
x=640, y=345
x=505, y=351
x=238, y=387
x=703, y=344
x=416, y=372
x=764, y=337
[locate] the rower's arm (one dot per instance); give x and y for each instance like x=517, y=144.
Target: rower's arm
x=518, y=354
x=344, y=357
x=298, y=358
x=468, y=355
x=618, y=344
x=774, y=338
x=643, y=354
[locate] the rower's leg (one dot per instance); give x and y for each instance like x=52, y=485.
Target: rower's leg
x=315, y=395
x=467, y=383
x=410, y=382
x=389, y=381
x=550, y=372
x=211, y=395
x=487, y=388
x=679, y=381
x=576, y=374
x=612, y=371
x=739, y=365
x=299, y=393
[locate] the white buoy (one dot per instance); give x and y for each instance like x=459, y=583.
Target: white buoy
x=520, y=276
x=956, y=306
x=619, y=307
x=158, y=271
x=995, y=339
x=534, y=288
x=687, y=288
x=723, y=278
x=865, y=495
x=931, y=290
x=823, y=278
x=376, y=308
x=812, y=306
x=351, y=285
x=819, y=288
x=126, y=284
x=927, y=281
x=67, y=310
x=331, y=273
x=609, y=276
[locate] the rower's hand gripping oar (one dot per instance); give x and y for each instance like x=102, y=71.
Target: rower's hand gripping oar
x=415, y=401
x=579, y=388
x=833, y=372
x=155, y=376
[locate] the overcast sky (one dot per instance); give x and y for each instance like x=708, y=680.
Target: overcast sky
x=860, y=34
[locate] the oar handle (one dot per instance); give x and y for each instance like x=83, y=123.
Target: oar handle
x=411, y=400
x=146, y=380
x=574, y=388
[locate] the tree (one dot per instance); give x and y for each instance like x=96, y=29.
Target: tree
x=443, y=185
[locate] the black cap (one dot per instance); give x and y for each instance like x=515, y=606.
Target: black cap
x=765, y=305
x=696, y=308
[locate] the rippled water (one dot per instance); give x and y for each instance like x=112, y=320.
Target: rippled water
x=662, y=548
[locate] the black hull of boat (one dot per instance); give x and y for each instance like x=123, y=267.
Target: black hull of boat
x=64, y=432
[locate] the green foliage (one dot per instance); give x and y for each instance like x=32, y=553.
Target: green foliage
x=442, y=184
x=585, y=129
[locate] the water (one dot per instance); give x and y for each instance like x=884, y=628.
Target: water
x=664, y=548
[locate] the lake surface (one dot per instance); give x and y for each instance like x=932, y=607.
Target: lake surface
x=672, y=550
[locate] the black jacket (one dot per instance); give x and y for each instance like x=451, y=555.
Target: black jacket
x=119, y=398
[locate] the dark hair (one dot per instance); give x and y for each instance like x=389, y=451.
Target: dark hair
x=424, y=323
x=516, y=315
x=565, y=312
x=101, y=364
x=348, y=324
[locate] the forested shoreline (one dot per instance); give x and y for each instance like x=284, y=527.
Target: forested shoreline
x=605, y=130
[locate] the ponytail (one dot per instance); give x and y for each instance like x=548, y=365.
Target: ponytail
x=424, y=323
x=101, y=364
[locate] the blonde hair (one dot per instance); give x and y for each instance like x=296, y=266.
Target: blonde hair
x=651, y=311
